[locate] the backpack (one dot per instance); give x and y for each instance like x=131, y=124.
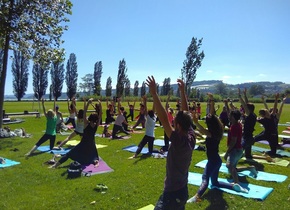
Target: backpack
x=75, y=170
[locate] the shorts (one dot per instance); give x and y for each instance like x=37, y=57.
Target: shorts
x=234, y=157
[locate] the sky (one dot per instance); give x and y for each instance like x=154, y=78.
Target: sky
x=243, y=41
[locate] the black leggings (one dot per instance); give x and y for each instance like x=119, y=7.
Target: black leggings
x=146, y=139
x=44, y=138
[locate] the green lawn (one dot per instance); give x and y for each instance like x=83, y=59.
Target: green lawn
x=132, y=185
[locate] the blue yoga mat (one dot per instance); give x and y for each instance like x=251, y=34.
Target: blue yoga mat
x=279, y=152
x=9, y=163
x=255, y=191
x=54, y=151
x=159, y=142
x=264, y=176
x=133, y=148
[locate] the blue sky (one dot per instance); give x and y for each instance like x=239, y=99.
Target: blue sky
x=243, y=41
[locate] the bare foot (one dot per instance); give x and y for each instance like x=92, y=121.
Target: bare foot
x=96, y=163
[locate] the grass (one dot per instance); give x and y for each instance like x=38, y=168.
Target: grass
x=132, y=185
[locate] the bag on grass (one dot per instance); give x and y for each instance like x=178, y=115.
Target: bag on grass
x=75, y=170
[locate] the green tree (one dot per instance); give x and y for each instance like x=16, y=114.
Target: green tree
x=97, y=77
x=121, y=78
x=40, y=82
x=88, y=84
x=33, y=28
x=136, y=88
x=57, y=78
x=127, y=87
x=20, y=74
x=192, y=63
x=256, y=90
x=109, y=87
x=71, y=76
x=143, y=89
x=221, y=89
x=166, y=86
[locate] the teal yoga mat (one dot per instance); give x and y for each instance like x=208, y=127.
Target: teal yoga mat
x=160, y=142
x=263, y=176
x=255, y=191
x=133, y=148
x=279, y=152
x=8, y=163
x=54, y=151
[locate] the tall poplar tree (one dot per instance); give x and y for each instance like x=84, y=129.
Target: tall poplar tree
x=191, y=63
x=40, y=82
x=57, y=77
x=136, y=88
x=20, y=74
x=109, y=87
x=97, y=77
x=121, y=78
x=71, y=76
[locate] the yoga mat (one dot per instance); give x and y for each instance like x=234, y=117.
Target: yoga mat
x=133, y=148
x=279, y=152
x=120, y=137
x=92, y=170
x=286, y=131
x=284, y=136
x=54, y=151
x=75, y=142
x=149, y=207
x=264, y=176
x=160, y=142
x=139, y=127
x=282, y=145
x=284, y=124
x=255, y=191
x=8, y=163
x=65, y=133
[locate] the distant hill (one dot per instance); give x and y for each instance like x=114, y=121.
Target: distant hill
x=204, y=86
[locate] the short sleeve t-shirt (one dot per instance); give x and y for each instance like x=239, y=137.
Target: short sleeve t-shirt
x=236, y=131
x=51, y=125
x=150, y=126
x=178, y=160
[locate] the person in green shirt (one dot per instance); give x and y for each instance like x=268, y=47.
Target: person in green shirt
x=50, y=132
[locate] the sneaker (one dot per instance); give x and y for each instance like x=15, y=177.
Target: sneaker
x=194, y=199
x=239, y=188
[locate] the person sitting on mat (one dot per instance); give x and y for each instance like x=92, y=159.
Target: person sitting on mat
x=50, y=132
x=86, y=151
x=175, y=193
x=214, y=134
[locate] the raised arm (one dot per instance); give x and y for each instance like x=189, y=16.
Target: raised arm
x=211, y=104
x=274, y=112
x=119, y=106
x=86, y=105
x=244, y=103
x=264, y=102
x=281, y=107
x=184, y=102
x=145, y=105
x=43, y=107
x=162, y=115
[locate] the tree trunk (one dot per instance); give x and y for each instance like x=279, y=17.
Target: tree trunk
x=5, y=63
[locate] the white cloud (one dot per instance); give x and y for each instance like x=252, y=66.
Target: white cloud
x=209, y=71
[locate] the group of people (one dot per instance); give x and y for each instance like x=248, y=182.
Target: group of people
x=85, y=152
x=180, y=132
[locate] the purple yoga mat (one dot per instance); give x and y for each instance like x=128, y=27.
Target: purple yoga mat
x=92, y=170
x=282, y=145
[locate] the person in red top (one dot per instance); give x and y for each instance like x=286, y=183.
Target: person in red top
x=234, y=144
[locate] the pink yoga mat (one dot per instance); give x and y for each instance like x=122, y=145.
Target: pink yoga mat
x=92, y=170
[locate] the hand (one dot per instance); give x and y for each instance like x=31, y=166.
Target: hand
x=181, y=84
x=150, y=82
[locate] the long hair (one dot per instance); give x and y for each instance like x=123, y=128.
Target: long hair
x=94, y=117
x=215, y=126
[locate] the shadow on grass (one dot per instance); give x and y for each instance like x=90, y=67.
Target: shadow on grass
x=142, y=157
x=216, y=200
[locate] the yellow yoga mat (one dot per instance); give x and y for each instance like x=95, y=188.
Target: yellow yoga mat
x=75, y=142
x=149, y=207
